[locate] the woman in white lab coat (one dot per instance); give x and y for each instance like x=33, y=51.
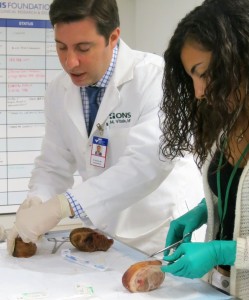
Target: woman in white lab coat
x=130, y=194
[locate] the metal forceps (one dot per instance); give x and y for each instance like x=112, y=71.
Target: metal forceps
x=58, y=242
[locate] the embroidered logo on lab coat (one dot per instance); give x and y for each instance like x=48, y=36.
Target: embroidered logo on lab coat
x=119, y=119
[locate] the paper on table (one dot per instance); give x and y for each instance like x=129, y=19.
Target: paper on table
x=56, y=279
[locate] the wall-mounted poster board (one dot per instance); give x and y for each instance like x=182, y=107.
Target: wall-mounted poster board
x=28, y=61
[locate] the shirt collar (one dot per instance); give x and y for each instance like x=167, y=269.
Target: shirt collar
x=103, y=82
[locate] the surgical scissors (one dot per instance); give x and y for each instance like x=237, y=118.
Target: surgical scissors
x=171, y=246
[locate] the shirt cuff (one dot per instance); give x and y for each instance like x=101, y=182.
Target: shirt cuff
x=77, y=208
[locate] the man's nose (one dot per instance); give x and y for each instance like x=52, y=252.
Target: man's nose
x=72, y=60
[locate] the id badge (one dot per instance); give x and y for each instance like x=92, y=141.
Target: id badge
x=99, y=151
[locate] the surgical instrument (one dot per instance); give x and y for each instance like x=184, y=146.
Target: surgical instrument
x=171, y=246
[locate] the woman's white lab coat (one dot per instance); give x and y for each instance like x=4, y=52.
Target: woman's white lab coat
x=129, y=198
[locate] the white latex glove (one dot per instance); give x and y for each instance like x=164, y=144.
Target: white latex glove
x=34, y=221
x=2, y=234
x=12, y=234
x=28, y=202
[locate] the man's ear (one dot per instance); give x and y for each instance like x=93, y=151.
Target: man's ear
x=114, y=37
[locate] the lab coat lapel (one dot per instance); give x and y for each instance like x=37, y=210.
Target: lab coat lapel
x=110, y=100
x=123, y=73
x=73, y=105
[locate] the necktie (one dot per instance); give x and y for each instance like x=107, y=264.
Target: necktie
x=92, y=93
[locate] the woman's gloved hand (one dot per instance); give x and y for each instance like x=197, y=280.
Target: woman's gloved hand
x=193, y=260
x=187, y=223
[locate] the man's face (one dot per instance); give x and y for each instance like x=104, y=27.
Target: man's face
x=83, y=53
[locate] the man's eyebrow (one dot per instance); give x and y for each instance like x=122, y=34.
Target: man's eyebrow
x=81, y=43
x=57, y=41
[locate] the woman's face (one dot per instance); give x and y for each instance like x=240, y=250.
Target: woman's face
x=195, y=61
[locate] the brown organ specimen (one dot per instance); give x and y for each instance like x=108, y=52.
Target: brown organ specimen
x=24, y=249
x=89, y=240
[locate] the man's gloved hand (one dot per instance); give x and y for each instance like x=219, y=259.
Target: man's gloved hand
x=34, y=221
x=187, y=223
x=12, y=234
x=193, y=260
x=28, y=202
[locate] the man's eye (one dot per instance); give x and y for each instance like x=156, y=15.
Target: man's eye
x=60, y=47
x=84, y=49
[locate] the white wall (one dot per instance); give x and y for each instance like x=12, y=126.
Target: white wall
x=127, y=14
x=148, y=24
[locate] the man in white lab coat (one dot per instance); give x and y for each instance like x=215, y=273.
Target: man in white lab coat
x=128, y=192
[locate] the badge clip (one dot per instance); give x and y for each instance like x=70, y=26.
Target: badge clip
x=100, y=128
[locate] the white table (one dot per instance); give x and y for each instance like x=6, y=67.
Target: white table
x=51, y=277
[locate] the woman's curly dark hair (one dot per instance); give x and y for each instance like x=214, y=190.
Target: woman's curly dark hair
x=188, y=125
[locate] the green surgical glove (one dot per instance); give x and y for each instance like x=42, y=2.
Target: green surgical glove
x=187, y=223
x=193, y=260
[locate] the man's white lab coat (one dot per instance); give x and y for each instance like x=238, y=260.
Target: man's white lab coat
x=129, y=198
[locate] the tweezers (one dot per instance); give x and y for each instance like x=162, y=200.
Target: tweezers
x=171, y=246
